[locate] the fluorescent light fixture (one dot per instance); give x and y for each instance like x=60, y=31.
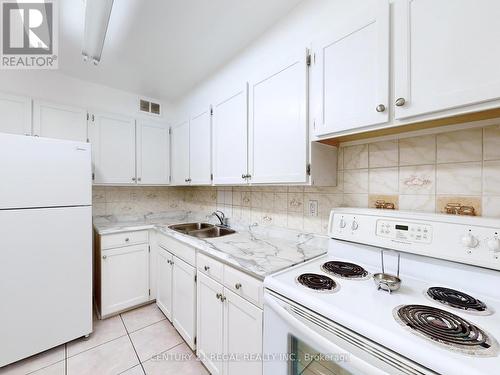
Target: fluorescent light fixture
x=97, y=14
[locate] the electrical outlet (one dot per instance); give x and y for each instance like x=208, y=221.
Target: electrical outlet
x=313, y=208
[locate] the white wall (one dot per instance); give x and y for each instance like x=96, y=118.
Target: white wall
x=59, y=88
x=305, y=23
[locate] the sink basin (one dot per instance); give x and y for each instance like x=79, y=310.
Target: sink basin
x=212, y=232
x=189, y=227
x=202, y=230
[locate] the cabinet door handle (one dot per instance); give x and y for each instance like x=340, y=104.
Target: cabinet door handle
x=127, y=239
x=400, y=102
x=133, y=178
x=104, y=256
x=380, y=108
x=238, y=285
x=218, y=296
x=243, y=176
x=206, y=268
x=222, y=298
x=139, y=179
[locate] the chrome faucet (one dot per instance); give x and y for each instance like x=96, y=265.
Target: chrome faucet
x=222, y=218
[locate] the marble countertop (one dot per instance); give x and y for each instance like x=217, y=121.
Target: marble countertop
x=254, y=249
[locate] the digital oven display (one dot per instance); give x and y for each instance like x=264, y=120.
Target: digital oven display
x=402, y=227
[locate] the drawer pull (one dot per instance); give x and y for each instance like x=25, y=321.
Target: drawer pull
x=206, y=268
x=238, y=286
x=127, y=239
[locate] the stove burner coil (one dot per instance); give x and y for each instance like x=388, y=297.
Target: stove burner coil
x=456, y=299
x=447, y=329
x=317, y=282
x=345, y=270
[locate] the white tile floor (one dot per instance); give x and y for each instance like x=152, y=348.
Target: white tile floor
x=124, y=344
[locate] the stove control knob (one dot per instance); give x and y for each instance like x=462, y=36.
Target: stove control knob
x=342, y=223
x=355, y=225
x=494, y=245
x=469, y=241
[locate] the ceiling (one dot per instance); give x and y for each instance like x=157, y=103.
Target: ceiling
x=163, y=48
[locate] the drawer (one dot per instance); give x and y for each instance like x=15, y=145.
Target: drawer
x=109, y=241
x=244, y=285
x=210, y=267
x=179, y=249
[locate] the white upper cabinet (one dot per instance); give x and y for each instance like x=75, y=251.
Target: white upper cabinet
x=113, y=145
x=278, y=123
x=15, y=114
x=153, y=153
x=52, y=120
x=230, y=137
x=180, y=153
x=200, y=152
x=350, y=72
x=446, y=54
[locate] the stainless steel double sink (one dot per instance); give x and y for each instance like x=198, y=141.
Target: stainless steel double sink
x=202, y=230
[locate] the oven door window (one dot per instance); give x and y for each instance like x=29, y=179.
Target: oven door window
x=307, y=361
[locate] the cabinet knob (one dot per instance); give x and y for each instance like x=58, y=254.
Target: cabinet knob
x=243, y=176
x=222, y=298
x=104, y=256
x=139, y=179
x=127, y=239
x=238, y=286
x=380, y=108
x=400, y=102
x=133, y=178
x=218, y=296
x=206, y=268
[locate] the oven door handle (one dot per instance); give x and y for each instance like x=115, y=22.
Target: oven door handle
x=354, y=362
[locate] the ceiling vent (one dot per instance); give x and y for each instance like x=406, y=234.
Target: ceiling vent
x=147, y=106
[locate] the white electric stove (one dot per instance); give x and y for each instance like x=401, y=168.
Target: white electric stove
x=327, y=316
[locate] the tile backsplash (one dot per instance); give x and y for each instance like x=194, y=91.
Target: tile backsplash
x=426, y=173
x=422, y=173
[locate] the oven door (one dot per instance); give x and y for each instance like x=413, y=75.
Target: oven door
x=299, y=342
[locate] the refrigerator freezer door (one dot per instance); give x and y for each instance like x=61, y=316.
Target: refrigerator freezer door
x=45, y=279
x=42, y=172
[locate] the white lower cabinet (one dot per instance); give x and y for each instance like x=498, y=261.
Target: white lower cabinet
x=242, y=334
x=176, y=292
x=228, y=326
x=124, y=278
x=164, y=282
x=210, y=323
x=184, y=300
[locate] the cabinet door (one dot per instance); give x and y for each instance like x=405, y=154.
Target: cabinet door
x=242, y=334
x=184, y=300
x=200, y=154
x=209, y=323
x=278, y=124
x=153, y=153
x=124, y=278
x=447, y=54
x=15, y=114
x=350, y=75
x=230, y=137
x=180, y=154
x=59, y=121
x=113, y=144
x=164, y=282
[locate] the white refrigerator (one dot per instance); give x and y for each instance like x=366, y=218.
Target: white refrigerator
x=45, y=244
